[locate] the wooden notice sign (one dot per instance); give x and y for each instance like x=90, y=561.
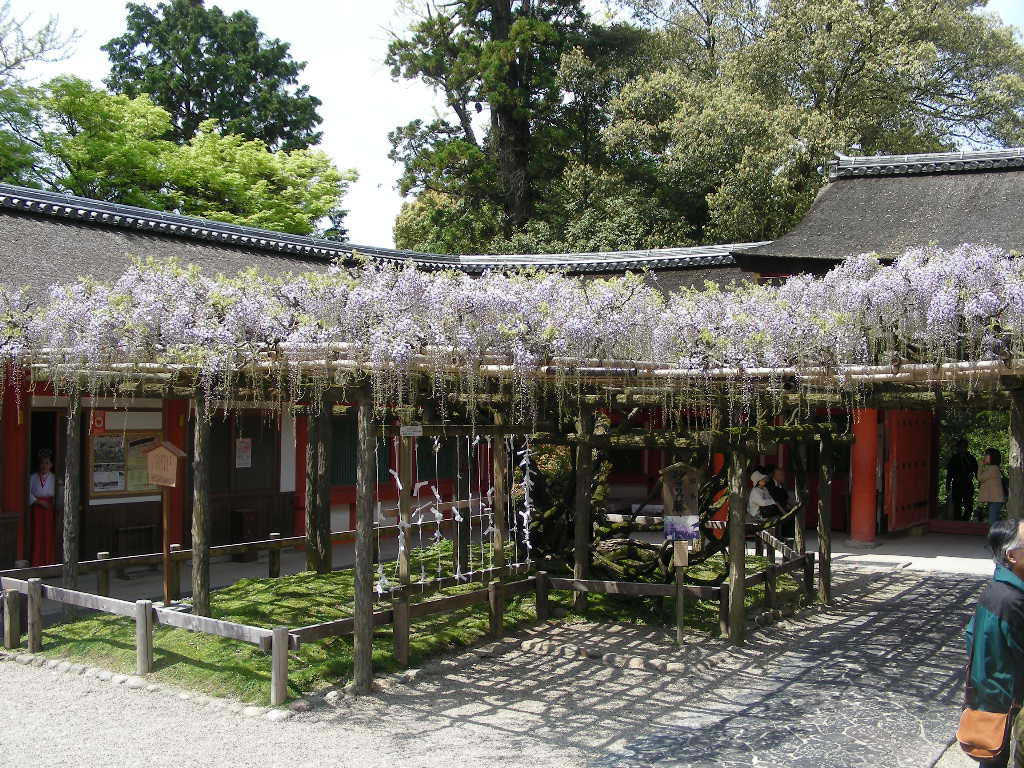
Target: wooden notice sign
x=680, y=553
x=162, y=462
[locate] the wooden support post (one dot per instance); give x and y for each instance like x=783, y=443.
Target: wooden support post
x=72, y=508
x=401, y=628
x=400, y=605
x=809, y=576
x=799, y=454
x=318, y=487
x=325, y=433
x=362, y=651
x=1015, y=460
x=541, y=584
x=168, y=570
x=770, y=587
x=201, y=506
x=583, y=529
x=103, y=576
x=723, y=609
x=143, y=637
x=825, y=520
x=175, y=573
x=499, y=466
x=274, y=560
x=680, y=578
x=12, y=619
x=405, y=503
x=496, y=601
x=737, y=553
x=279, y=666
x=35, y=615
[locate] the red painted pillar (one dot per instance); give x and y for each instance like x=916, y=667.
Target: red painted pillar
x=864, y=468
x=176, y=431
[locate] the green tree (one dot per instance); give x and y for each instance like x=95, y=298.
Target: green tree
x=756, y=98
x=201, y=64
x=528, y=84
x=111, y=147
x=19, y=47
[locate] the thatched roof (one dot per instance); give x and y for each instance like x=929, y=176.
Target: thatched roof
x=48, y=238
x=887, y=204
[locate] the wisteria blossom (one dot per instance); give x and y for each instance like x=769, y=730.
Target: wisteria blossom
x=161, y=319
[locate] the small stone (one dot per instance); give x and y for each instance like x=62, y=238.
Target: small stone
x=253, y=711
x=612, y=659
x=300, y=705
x=135, y=683
x=332, y=696
x=52, y=664
x=636, y=662
x=235, y=707
x=278, y=715
x=656, y=665
x=105, y=675
x=77, y=669
x=23, y=658
x=64, y=666
x=119, y=679
x=38, y=661
x=675, y=667
x=185, y=696
x=152, y=688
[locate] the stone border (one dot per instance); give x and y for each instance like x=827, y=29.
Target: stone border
x=138, y=683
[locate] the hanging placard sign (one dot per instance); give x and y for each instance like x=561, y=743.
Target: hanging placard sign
x=411, y=430
x=243, y=453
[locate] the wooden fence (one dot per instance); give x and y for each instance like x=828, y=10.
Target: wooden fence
x=498, y=587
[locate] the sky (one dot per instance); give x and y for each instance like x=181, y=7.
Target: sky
x=344, y=43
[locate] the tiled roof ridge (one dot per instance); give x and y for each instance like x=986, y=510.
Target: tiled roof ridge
x=130, y=217
x=845, y=166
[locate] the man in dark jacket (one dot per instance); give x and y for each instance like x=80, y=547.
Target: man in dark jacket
x=961, y=471
x=995, y=636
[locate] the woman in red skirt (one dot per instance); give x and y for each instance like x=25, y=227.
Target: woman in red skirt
x=41, y=491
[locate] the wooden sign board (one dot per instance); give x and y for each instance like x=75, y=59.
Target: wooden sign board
x=162, y=462
x=411, y=430
x=680, y=553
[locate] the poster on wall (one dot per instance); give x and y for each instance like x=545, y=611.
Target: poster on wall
x=243, y=453
x=682, y=527
x=117, y=462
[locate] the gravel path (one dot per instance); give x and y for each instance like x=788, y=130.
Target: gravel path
x=870, y=682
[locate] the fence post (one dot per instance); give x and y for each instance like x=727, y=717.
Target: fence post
x=400, y=637
x=680, y=602
x=723, y=609
x=103, y=576
x=496, y=600
x=809, y=576
x=175, y=572
x=12, y=619
x=541, y=583
x=274, y=559
x=279, y=666
x=35, y=615
x=143, y=637
x=770, y=583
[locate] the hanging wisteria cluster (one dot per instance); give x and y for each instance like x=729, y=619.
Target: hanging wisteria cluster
x=162, y=319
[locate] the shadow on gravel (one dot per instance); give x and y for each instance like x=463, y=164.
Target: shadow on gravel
x=872, y=681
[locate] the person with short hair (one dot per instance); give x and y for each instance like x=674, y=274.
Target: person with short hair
x=995, y=635
x=990, y=484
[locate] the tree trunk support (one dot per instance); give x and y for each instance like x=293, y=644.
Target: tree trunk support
x=737, y=548
x=201, y=507
x=583, y=533
x=825, y=520
x=799, y=454
x=72, y=508
x=400, y=605
x=362, y=651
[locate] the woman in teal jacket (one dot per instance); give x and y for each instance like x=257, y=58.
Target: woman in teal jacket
x=995, y=636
